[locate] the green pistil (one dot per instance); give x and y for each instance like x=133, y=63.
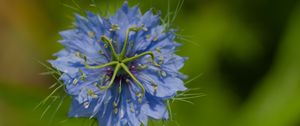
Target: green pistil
x=134, y=78
x=112, y=78
x=135, y=29
x=119, y=61
x=141, y=55
x=109, y=43
x=100, y=66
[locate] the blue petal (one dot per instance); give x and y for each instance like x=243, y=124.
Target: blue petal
x=107, y=117
x=134, y=14
x=125, y=7
x=82, y=24
x=98, y=23
x=143, y=118
x=62, y=53
x=79, y=42
x=120, y=18
x=155, y=108
x=174, y=62
x=164, y=88
x=67, y=64
x=80, y=110
x=105, y=120
x=131, y=108
x=150, y=20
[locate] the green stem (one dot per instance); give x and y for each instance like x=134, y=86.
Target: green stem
x=122, y=55
x=134, y=78
x=100, y=66
x=141, y=55
x=109, y=42
x=112, y=78
x=170, y=109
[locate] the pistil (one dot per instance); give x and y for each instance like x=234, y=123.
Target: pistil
x=119, y=60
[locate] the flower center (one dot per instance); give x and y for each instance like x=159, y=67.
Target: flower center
x=120, y=60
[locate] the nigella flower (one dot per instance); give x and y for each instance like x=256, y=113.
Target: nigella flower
x=121, y=69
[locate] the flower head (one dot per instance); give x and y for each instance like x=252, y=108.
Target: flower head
x=121, y=69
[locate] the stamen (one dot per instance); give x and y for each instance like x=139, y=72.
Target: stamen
x=140, y=99
x=139, y=96
x=148, y=36
x=142, y=66
x=144, y=28
x=120, y=87
x=155, y=38
x=127, y=81
x=91, y=93
x=75, y=81
x=158, y=49
x=115, y=104
x=154, y=87
x=86, y=105
x=83, y=75
x=91, y=34
x=163, y=73
x=161, y=60
x=131, y=107
x=96, y=84
x=80, y=55
x=114, y=27
x=115, y=110
x=105, y=78
x=101, y=52
x=132, y=67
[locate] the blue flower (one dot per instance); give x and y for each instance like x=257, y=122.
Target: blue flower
x=121, y=69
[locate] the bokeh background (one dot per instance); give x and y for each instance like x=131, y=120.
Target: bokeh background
x=243, y=55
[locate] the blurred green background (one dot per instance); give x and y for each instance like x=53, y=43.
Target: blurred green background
x=246, y=51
